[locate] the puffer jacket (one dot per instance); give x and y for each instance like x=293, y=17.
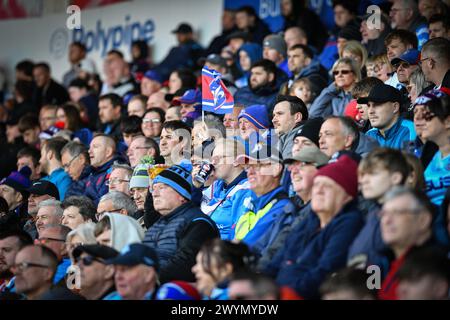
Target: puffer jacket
x=177, y=238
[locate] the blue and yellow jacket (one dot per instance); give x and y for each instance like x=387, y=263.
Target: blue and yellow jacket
x=263, y=212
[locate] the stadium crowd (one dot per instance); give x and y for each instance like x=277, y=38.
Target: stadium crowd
x=329, y=180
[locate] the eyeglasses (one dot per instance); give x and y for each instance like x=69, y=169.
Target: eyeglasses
x=145, y=121
x=47, y=240
x=344, y=72
x=221, y=159
x=21, y=267
x=422, y=60
x=257, y=167
x=112, y=182
x=68, y=164
x=88, y=260
x=99, y=215
x=398, y=212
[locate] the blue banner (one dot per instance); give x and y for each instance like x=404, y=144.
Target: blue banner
x=267, y=10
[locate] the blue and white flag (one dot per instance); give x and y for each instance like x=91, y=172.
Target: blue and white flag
x=215, y=96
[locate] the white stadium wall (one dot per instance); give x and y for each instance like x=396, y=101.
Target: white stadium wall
x=47, y=38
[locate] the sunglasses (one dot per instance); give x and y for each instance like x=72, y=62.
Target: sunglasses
x=88, y=260
x=404, y=65
x=344, y=72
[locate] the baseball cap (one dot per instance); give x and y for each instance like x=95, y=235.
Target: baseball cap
x=216, y=59
x=134, y=254
x=183, y=28
x=412, y=56
x=96, y=251
x=382, y=93
x=261, y=153
x=191, y=96
x=238, y=35
x=153, y=75
x=43, y=187
x=310, y=154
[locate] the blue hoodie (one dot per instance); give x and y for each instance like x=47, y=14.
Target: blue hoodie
x=254, y=52
x=61, y=180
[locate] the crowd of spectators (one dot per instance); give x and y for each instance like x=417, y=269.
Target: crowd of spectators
x=333, y=166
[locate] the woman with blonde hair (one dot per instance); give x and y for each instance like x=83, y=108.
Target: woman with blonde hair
x=333, y=99
x=383, y=67
x=355, y=50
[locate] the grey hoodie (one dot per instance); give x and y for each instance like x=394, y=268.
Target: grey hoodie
x=124, y=230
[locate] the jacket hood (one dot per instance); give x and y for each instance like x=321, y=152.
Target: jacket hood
x=253, y=50
x=124, y=231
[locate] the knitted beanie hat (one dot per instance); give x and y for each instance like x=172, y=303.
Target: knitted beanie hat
x=344, y=173
x=178, y=290
x=257, y=115
x=310, y=130
x=140, y=178
x=19, y=180
x=177, y=177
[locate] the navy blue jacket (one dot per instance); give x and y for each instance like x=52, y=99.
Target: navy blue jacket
x=77, y=188
x=177, y=238
x=368, y=247
x=95, y=183
x=312, y=252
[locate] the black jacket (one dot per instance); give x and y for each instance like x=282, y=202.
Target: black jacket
x=54, y=94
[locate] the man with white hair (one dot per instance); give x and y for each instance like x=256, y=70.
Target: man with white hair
x=118, y=202
x=49, y=212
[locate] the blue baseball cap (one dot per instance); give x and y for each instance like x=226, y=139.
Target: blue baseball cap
x=412, y=56
x=153, y=75
x=135, y=254
x=191, y=96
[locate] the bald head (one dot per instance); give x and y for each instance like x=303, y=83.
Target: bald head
x=101, y=150
x=294, y=36
x=34, y=269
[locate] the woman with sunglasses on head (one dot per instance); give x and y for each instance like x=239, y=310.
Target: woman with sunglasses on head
x=216, y=263
x=337, y=95
x=436, y=113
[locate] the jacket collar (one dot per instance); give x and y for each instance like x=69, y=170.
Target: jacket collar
x=184, y=207
x=233, y=183
x=263, y=200
x=392, y=131
x=105, y=166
